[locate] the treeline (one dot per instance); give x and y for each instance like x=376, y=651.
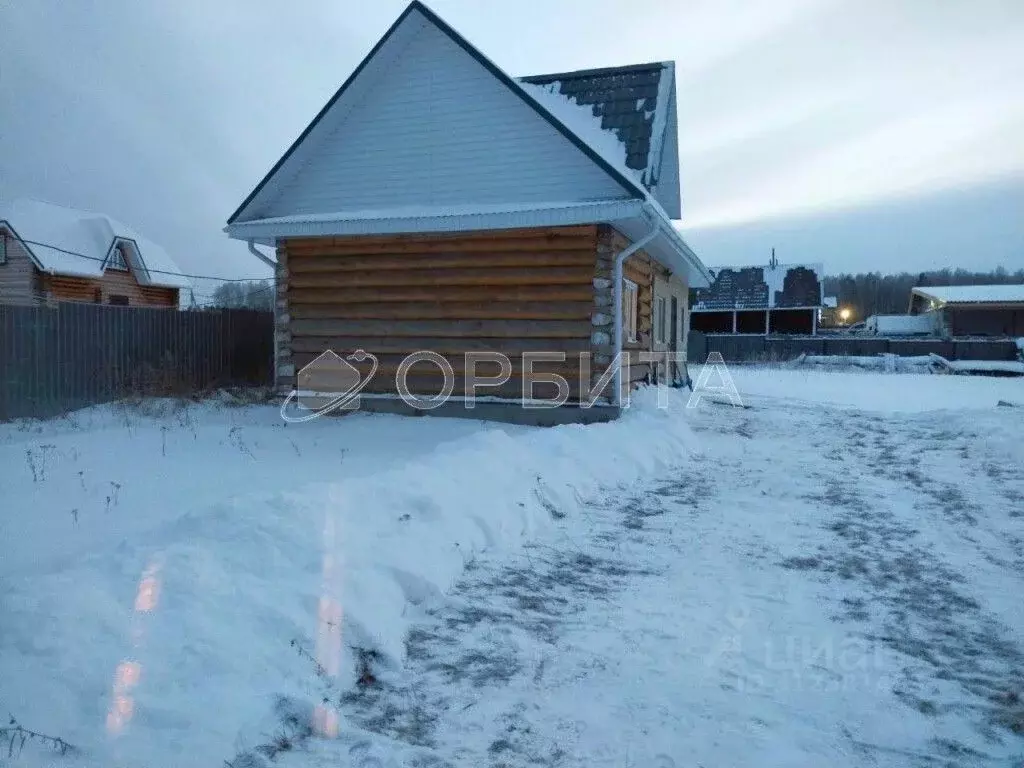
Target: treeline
x=873, y=293
x=245, y=295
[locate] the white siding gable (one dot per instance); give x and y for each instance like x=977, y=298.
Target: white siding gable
x=432, y=128
x=667, y=192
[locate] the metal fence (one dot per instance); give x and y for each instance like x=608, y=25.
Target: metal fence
x=739, y=348
x=55, y=359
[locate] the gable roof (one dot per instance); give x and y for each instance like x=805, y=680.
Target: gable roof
x=632, y=101
x=973, y=294
x=66, y=241
x=339, y=177
x=618, y=172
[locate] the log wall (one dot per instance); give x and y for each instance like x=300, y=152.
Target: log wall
x=641, y=269
x=99, y=290
x=509, y=291
x=19, y=279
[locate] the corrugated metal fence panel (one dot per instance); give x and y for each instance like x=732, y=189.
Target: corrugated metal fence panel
x=735, y=348
x=862, y=347
x=56, y=359
x=985, y=350
x=696, y=347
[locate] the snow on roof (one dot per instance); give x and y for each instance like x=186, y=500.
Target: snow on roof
x=66, y=241
x=631, y=103
x=580, y=119
x=973, y=294
x=588, y=128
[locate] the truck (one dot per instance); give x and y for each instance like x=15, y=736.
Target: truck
x=900, y=325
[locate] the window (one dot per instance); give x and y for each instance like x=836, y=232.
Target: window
x=673, y=314
x=660, y=319
x=3, y=247
x=117, y=301
x=116, y=260
x=630, y=309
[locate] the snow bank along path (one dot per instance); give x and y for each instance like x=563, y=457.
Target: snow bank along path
x=168, y=642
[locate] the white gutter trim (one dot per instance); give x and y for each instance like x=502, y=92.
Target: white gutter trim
x=659, y=126
x=664, y=225
x=259, y=255
x=398, y=222
x=617, y=299
x=273, y=265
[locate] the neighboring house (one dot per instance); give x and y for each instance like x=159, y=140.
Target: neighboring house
x=972, y=310
x=49, y=253
x=773, y=299
x=435, y=203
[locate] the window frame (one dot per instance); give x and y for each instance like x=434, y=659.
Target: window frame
x=660, y=320
x=630, y=310
x=121, y=264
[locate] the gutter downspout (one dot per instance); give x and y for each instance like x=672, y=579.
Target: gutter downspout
x=672, y=234
x=273, y=265
x=265, y=259
x=617, y=298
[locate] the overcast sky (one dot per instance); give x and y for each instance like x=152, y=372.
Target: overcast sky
x=863, y=134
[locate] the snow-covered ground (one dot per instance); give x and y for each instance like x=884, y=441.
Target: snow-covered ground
x=830, y=576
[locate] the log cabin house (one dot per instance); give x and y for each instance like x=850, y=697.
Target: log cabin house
x=49, y=253
x=435, y=203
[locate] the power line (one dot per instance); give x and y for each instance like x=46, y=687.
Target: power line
x=153, y=271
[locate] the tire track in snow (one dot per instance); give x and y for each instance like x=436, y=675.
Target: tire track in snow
x=907, y=497
x=885, y=526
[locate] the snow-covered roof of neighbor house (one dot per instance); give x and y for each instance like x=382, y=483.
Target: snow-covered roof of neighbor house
x=66, y=241
x=973, y=294
x=631, y=102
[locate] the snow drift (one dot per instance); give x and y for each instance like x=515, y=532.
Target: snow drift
x=174, y=648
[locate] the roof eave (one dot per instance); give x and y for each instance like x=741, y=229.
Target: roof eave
x=268, y=230
x=32, y=257
x=700, y=275
x=945, y=301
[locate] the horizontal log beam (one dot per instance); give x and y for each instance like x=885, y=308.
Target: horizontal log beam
x=344, y=345
x=301, y=264
x=505, y=329
x=430, y=386
x=496, y=293
x=423, y=277
x=536, y=310
x=467, y=246
x=389, y=365
x=640, y=278
x=575, y=230
x=512, y=390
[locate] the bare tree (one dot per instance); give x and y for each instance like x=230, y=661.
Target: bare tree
x=245, y=295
